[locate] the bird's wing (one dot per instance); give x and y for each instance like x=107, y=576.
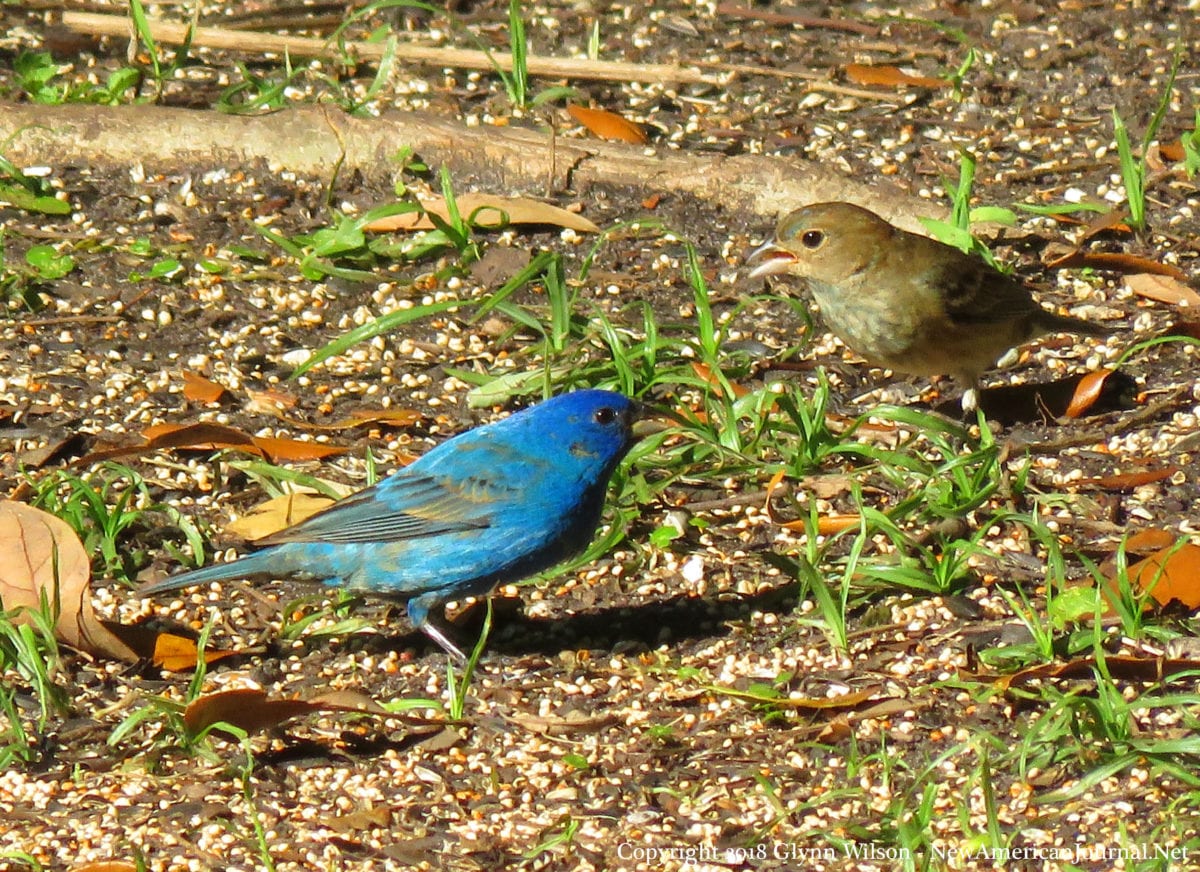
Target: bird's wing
x=443, y=492
x=975, y=293
x=405, y=506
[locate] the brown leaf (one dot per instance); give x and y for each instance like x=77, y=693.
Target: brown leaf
x=889, y=76
x=253, y=710
x=105, y=866
x=41, y=556
x=362, y=819
x=1121, y=667
x=607, y=125
x=1113, y=220
x=1170, y=574
x=1128, y=480
x=277, y=448
x=827, y=525
x=176, y=653
x=198, y=389
x=486, y=211
x=1164, y=289
x=394, y=417
x=1087, y=392
x=214, y=437
x=278, y=514
x=1115, y=261
x=248, y=709
x=1149, y=539
x=1172, y=152
x=705, y=372
x=851, y=700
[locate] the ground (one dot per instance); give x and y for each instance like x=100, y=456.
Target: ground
x=720, y=683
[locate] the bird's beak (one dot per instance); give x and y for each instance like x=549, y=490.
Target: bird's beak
x=770, y=259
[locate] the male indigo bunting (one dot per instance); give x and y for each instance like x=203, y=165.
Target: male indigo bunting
x=490, y=506
x=907, y=302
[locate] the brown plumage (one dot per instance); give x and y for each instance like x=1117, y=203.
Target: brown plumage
x=907, y=302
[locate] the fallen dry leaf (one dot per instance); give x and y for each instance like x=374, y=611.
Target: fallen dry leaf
x=486, y=211
x=705, y=373
x=278, y=514
x=1124, y=481
x=198, y=389
x=827, y=525
x=1164, y=289
x=1173, y=152
x=40, y=556
x=252, y=710
x=1170, y=574
x=214, y=437
x=607, y=125
x=1120, y=667
x=1112, y=221
x=1089, y=389
x=1149, y=539
x=889, y=76
x=1115, y=261
x=394, y=417
x=176, y=653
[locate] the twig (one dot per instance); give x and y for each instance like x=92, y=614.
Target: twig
x=297, y=46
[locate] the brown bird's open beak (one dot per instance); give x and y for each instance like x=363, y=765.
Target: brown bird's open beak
x=770, y=259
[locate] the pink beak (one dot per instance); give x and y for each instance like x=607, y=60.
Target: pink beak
x=770, y=259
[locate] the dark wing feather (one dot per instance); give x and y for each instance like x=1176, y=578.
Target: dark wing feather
x=975, y=293
x=409, y=507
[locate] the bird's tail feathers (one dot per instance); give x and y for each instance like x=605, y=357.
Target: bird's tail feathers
x=1051, y=322
x=243, y=568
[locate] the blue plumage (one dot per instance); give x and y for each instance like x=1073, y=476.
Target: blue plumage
x=491, y=506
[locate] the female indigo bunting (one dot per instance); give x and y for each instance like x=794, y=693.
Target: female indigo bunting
x=907, y=302
x=490, y=506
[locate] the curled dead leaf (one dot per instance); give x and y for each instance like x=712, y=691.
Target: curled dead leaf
x=1087, y=392
x=214, y=437
x=1124, y=481
x=827, y=525
x=1171, y=573
x=1115, y=261
x=486, y=211
x=889, y=76
x=180, y=654
x=278, y=514
x=198, y=389
x=41, y=557
x=607, y=125
x=1164, y=289
x=253, y=710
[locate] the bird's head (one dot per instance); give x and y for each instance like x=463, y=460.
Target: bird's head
x=826, y=242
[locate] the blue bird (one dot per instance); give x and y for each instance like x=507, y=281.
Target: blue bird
x=491, y=506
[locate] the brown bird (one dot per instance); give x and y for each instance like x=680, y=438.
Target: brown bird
x=907, y=302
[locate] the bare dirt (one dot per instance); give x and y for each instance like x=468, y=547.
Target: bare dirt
x=613, y=722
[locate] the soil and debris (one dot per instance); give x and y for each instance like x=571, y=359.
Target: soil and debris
x=617, y=719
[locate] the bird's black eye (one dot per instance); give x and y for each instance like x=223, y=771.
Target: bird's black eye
x=604, y=415
x=812, y=238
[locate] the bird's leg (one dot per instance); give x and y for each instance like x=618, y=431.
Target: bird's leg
x=435, y=633
x=418, y=612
